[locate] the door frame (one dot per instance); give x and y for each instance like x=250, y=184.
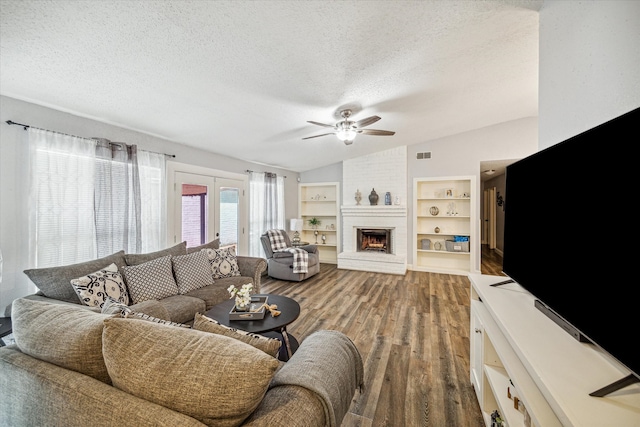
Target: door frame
x=173, y=229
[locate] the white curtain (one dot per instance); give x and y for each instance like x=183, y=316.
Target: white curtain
x=61, y=207
x=69, y=184
x=266, y=207
x=153, y=197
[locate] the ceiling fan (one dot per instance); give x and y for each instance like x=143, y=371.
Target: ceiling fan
x=346, y=130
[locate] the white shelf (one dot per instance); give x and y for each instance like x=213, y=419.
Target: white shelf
x=427, y=193
x=321, y=200
x=553, y=373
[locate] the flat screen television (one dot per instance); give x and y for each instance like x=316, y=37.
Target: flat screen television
x=569, y=240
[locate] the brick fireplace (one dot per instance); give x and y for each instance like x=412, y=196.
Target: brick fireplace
x=384, y=171
x=385, y=219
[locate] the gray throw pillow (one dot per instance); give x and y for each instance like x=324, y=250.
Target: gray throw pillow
x=111, y=306
x=271, y=346
x=192, y=271
x=62, y=334
x=135, y=259
x=215, y=379
x=150, y=280
x=55, y=282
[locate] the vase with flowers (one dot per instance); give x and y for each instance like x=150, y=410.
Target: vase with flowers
x=242, y=296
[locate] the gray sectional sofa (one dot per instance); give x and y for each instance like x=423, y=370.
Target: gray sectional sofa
x=77, y=365
x=54, y=283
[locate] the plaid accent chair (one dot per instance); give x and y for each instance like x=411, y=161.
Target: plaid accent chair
x=280, y=262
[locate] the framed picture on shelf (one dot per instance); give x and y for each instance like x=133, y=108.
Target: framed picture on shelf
x=448, y=193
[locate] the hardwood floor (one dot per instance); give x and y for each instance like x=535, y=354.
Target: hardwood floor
x=412, y=332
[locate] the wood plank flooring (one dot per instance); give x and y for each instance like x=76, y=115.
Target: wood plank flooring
x=412, y=331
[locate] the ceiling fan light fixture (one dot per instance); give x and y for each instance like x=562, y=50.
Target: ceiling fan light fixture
x=345, y=135
x=490, y=171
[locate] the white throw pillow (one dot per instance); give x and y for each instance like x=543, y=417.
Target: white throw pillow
x=223, y=262
x=94, y=288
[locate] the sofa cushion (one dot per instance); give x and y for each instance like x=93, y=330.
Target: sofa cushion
x=182, y=308
x=94, y=288
x=214, y=244
x=192, y=271
x=216, y=379
x=271, y=346
x=150, y=280
x=55, y=282
x=223, y=262
x=64, y=335
x=135, y=259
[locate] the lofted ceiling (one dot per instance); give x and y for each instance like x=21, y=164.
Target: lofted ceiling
x=242, y=78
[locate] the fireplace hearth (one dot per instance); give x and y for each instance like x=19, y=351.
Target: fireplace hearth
x=374, y=240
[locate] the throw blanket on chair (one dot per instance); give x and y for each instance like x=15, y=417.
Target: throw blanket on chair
x=300, y=256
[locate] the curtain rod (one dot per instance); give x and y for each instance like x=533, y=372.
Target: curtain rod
x=11, y=122
x=250, y=171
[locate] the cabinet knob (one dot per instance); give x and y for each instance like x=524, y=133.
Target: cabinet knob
x=478, y=331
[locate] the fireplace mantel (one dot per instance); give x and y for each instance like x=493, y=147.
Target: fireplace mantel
x=369, y=211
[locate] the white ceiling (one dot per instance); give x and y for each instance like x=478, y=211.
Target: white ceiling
x=241, y=78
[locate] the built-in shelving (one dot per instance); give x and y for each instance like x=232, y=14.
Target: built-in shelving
x=444, y=208
x=321, y=200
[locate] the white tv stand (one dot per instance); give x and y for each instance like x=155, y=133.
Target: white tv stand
x=515, y=348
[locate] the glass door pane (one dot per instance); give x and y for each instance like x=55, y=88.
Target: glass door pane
x=228, y=212
x=194, y=216
x=195, y=203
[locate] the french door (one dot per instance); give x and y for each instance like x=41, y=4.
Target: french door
x=205, y=207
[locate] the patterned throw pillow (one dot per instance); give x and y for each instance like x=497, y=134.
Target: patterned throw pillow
x=95, y=287
x=223, y=262
x=152, y=280
x=112, y=306
x=142, y=316
x=271, y=346
x=192, y=271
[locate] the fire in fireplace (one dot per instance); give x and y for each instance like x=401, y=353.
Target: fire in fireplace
x=374, y=240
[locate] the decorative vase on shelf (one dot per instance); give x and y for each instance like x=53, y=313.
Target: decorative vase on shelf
x=373, y=197
x=358, y=197
x=387, y=198
x=437, y=229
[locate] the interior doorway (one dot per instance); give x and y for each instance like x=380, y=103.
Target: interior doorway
x=492, y=187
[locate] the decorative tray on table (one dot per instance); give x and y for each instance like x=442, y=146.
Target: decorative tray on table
x=256, y=310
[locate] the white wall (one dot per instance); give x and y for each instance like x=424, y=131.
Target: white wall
x=14, y=177
x=589, y=65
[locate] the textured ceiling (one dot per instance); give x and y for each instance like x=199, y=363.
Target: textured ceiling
x=241, y=78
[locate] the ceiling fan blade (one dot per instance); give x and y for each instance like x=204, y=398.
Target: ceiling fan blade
x=320, y=124
x=315, y=136
x=375, y=132
x=366, y=122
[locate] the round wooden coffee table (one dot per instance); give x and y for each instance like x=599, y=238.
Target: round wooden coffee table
x=275, y=327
